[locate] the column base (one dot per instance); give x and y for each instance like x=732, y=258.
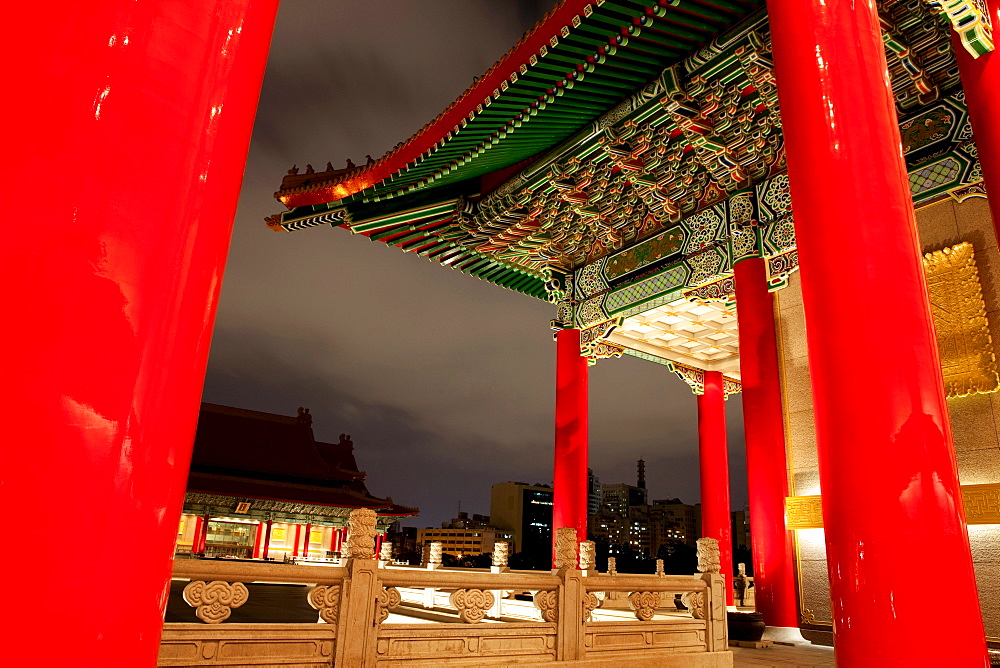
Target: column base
x=785, y=635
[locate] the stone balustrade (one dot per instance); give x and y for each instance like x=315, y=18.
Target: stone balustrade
x=477, y=624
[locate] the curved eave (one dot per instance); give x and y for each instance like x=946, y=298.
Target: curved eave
x=424, y=227
x=577, y=63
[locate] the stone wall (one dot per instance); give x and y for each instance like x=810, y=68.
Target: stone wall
x=975, y=419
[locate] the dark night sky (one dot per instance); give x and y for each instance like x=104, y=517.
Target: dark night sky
x=445, y=382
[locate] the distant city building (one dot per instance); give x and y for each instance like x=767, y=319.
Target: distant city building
x=526, y=512
x=741, y=529
x=464, y=535
x=683, y=520
x=620, y=497
x=593, y=493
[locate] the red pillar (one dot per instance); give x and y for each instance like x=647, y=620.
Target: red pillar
x=203, y=539
x=981, y=82
x=256, y=541
x=196, y=539
x=713, y=451
x=295, y=543
x=378, y=544
x=140, y=113
x=767, y=473
x=305, y=543
x=886, y=459
x=569, y=504
x=267, y=539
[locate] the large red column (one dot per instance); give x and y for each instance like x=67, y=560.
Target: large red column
x=886, y=459
x=763, y=422
x=305, y=543
x=713, y=457
x=133, y=122
x=981, y=82
x=569, y=504
x=295, y=543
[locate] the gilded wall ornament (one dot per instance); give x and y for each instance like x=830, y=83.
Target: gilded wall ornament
x=963, y=331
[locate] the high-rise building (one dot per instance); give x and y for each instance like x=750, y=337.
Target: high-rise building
x=593, y=493
x=526, y=512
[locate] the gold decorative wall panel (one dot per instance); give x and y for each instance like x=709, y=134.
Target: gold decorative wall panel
x=967, y=359
x=804, y=512
x=982, y=506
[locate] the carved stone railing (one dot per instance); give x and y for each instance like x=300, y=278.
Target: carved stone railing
x=354, y=605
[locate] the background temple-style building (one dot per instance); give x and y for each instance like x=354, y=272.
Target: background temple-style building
x=262, y=486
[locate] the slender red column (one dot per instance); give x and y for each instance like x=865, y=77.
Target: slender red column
x=569, y=504
x=203, y=539
x=256, y=541
x=135, y=122
x=981, y=82
x=767, y=474
x=196, y=540
x=713, y=456
x=267, y=539
x=295, y=543
x=378, y=544
x=305, y=542
x=886, y=459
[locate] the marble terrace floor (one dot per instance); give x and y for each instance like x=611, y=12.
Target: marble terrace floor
x=784, y=656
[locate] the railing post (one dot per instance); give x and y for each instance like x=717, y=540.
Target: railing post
x=717, y=633
x=357, y=624
x=434, y=558
x=569, y=625
x=501, y=551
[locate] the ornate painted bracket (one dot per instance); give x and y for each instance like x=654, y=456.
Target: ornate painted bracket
x=970, y=19
x=214, y=601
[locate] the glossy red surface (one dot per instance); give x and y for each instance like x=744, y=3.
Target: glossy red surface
x=196, y=541
x=267, y=539
x=305, y=541
x=132, y=129
x=887, y=463
x=713, y=457
x=767, y=476
x=297, y=541
x=569, y=503
x=258, y=534
x=981, y=82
